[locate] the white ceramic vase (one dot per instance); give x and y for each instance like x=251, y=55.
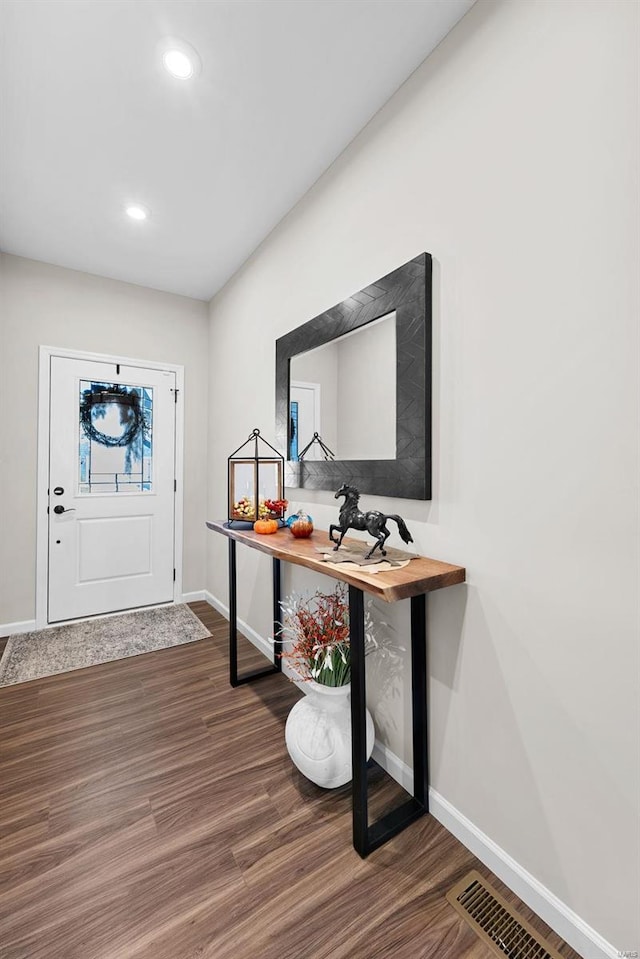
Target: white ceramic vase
x=318, y=734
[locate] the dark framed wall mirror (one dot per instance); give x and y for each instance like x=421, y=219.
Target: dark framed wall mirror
x=358, y=378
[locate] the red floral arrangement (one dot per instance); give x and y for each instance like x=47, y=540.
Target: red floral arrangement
x=319, y=627
x=276, y=507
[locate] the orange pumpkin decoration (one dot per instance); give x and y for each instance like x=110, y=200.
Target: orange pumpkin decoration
x=266, y=526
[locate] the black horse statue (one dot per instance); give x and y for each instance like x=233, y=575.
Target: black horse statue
x=374, y=522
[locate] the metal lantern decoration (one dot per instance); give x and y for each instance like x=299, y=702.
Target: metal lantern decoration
x=256, y=482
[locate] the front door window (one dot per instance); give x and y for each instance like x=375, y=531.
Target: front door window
x=116, y=438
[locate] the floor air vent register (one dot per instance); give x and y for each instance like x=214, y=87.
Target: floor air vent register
x=496, y=922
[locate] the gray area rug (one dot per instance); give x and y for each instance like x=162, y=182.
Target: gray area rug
x=61, y=649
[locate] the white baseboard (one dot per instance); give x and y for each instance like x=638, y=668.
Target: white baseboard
x=263, y=645
x=392, y=764
x=563, y=920
x=8, y=629
x=195, y=597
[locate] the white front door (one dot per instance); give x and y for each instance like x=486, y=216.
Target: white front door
x=111, y=487
x=305, y=417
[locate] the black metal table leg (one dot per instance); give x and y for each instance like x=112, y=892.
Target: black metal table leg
x=234, y=679
x=358, y=722
x=366, y=838
x=277, y=616
x=233, y=616
x=419, y=699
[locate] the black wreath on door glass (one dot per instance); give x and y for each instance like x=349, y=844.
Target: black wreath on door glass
x=94, y=405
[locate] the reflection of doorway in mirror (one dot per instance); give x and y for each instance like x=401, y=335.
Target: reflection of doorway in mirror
x=306, y=397
x=356, y=376
x=293, y=431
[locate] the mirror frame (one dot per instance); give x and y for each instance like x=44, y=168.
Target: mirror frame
x=407, y=291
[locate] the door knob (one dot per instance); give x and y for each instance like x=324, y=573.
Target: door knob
x=60, y=509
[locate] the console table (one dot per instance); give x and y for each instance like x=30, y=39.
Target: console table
x=411, y=582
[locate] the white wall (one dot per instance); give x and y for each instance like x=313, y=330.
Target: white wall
x=43, y=304
x=511, y=155
x=367, y=392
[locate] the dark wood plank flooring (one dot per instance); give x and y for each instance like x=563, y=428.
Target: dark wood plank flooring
x=149, y=811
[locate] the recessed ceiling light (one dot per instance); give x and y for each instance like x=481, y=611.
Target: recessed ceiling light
x=136, y=212
x=179, y=58
x=178, y=64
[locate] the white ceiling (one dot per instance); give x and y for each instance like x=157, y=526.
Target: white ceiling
x=91, y=121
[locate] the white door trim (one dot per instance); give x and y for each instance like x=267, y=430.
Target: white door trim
x=42, y=499
x=315, y=389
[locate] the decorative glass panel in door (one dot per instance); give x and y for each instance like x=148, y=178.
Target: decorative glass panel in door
x=116, y=438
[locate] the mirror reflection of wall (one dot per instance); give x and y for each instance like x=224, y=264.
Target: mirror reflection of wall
x=346, y=391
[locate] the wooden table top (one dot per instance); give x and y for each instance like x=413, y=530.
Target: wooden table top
x=422, y=575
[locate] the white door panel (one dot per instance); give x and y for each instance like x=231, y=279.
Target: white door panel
x=112, y=453
x=100, y=547
x=307, y=396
